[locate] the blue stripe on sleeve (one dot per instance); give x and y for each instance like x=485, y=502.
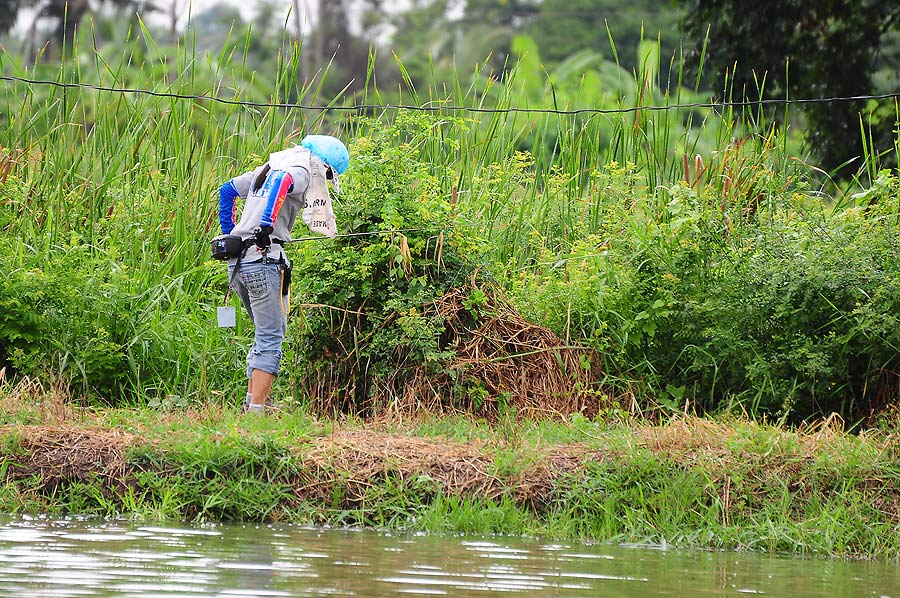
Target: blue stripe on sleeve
x=228, y=193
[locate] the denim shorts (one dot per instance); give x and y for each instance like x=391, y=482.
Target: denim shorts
x=259, y=286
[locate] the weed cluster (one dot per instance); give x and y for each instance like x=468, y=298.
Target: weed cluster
x=788, y=311
x=731, y=484
x=364, y=328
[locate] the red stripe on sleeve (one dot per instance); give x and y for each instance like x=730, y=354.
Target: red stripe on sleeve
x=286, y=183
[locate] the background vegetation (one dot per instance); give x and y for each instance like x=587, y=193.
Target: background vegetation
x=734, y=52
x=699, y=251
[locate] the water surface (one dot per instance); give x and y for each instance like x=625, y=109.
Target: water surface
x=70, y=558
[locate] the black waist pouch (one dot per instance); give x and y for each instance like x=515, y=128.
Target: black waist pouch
x=225, y=247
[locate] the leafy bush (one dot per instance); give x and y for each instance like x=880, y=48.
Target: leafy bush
x=64, y=318
x=790, y=311
x=77, y=317
x=804, y=322
x=364, y=330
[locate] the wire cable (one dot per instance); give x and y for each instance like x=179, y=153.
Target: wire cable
x=362, y=108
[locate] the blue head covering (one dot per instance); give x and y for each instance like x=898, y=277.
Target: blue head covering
x=330, y=149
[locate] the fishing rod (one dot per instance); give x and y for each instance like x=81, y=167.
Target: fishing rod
x=365, y=234
x=228, y=246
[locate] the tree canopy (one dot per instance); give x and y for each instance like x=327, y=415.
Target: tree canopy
x=65, y=15
x=800, y=49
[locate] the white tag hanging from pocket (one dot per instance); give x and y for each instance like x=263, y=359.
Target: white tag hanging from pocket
x=226, y=317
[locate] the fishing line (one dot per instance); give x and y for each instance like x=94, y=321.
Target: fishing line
x=368, y=233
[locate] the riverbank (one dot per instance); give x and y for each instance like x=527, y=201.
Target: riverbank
x=689, y=481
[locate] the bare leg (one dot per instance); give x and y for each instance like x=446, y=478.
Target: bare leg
x=259, y=387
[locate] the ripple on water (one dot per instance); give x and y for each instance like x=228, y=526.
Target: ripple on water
x=74, y=558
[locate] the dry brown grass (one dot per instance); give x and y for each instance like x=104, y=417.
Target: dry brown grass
x=37, y=400
x=744, y=461
x=742, y=458
x=461, y=469
x=355, y=459
x=73, y=452
x=541, y=374
x=501, y=361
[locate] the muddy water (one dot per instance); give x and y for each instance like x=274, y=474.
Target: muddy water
x=61, y=558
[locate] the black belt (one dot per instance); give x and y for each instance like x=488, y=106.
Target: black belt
x=246, y=243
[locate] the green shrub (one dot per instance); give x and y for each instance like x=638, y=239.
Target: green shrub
x=64, y=318
x=77, y=317
x=805, y=322
x=368, y=326
x=789, y=311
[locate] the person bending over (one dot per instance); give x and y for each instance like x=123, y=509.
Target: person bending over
x=292, y=183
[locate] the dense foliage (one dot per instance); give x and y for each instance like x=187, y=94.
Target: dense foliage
x=692, y=249
x=790, y=311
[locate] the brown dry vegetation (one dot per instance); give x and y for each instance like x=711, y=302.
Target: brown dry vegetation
x=461, y=469
x=62, y=453
x=541, y=373
x=513, y=364
x=753, y=456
